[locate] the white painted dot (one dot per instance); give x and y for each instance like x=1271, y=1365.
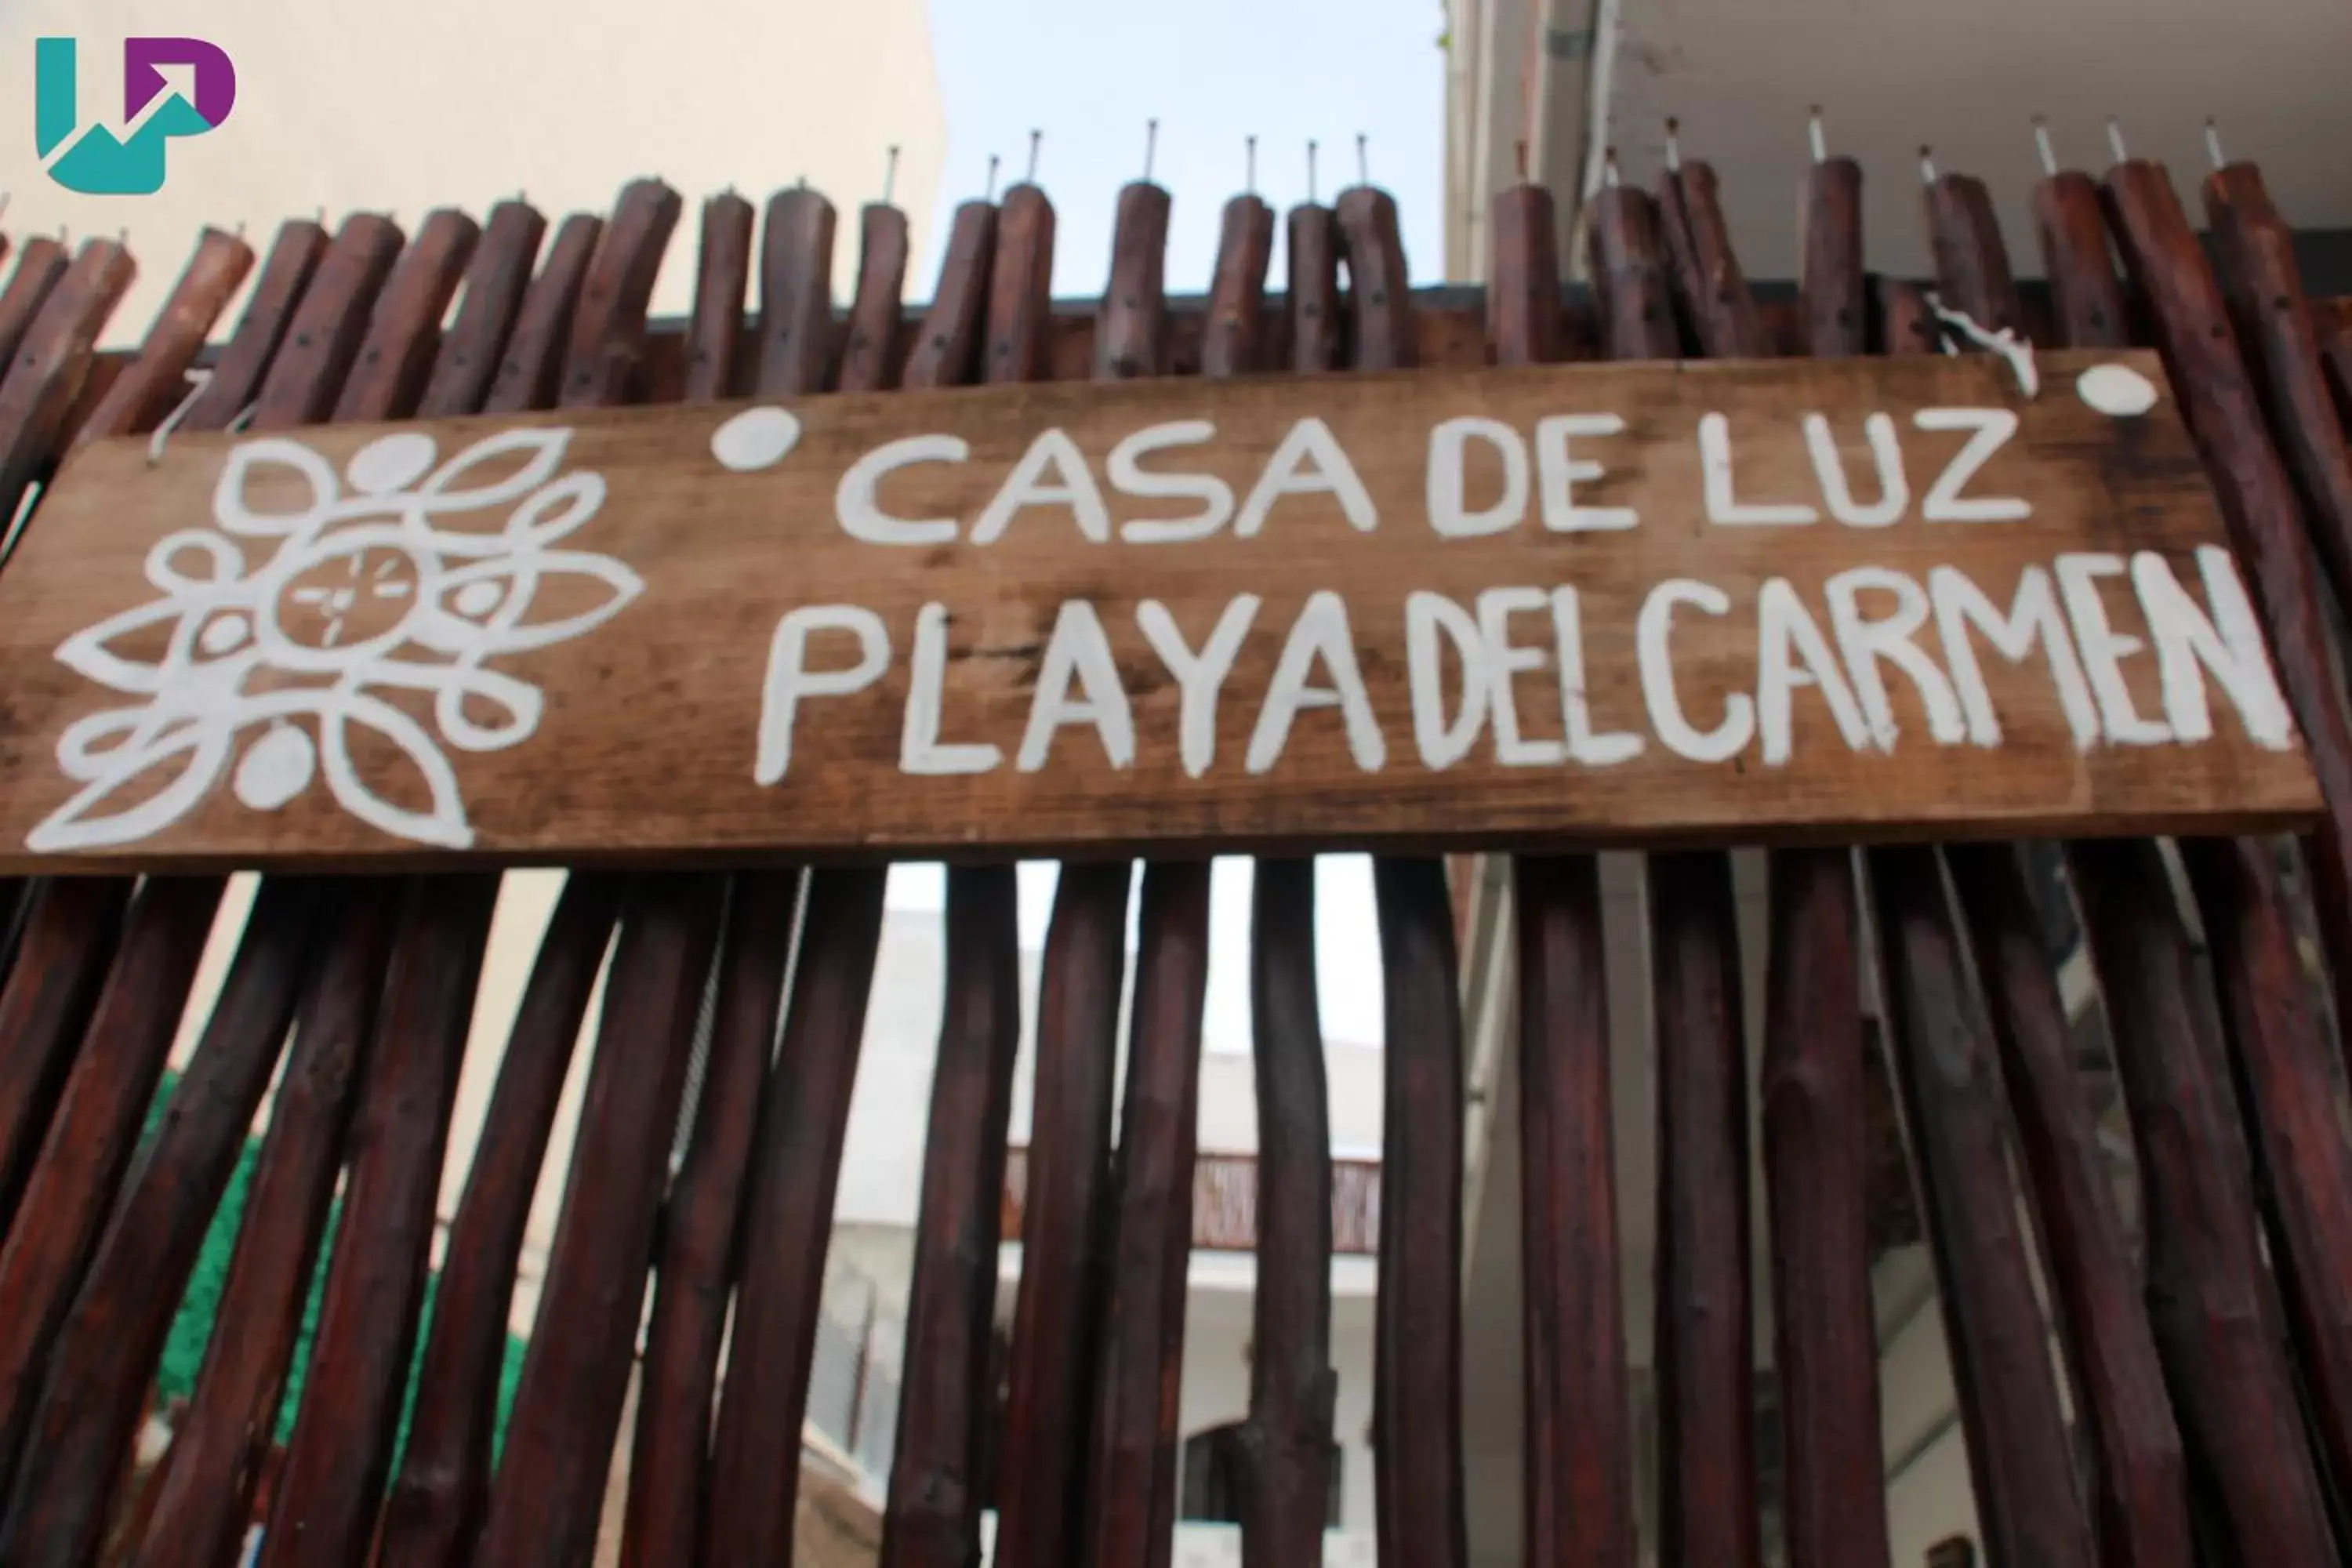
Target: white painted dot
x=275, y=768
x=479, y=597
x=755, y=439
x=2115, y=390
x=224, y=635
x=392, y=463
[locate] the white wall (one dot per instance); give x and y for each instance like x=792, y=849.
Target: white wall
x=399, y=109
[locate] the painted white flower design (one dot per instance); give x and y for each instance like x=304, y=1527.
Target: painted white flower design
x=393, y=577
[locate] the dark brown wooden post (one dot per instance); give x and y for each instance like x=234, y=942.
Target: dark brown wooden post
x=2019, y=1459
x=1132, y=1483
x=1577, y=1481
x=2122, y=1408
x=435, y=1502
x=341, y=1454
x=206, y=1495
x=2302, y=1164
x=41, y=382
x=933, y=1520
x=788, y=1201
x=1050, y=1390
x=786, y=1220
x=547, y=1496
x=534, y=357
x=2216, y=1325
x=70, y=930
x=1705, y=1345
x=40, y=266
x=695, y=1269
x=1815, y=1053
x=1292, y=1386
x=2258, y=497
x=102, y=1362
x=1417, y=1335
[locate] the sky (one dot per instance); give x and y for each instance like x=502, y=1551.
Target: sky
x=1090, y=73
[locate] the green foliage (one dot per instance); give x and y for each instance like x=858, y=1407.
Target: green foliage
x=192, y=1327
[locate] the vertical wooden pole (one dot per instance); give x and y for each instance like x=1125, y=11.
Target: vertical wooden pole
x=1131, y=1489
x=103, y=1360
x=495, y=286
x=1131, y=1484
x=40, y=385
x=435, y=1504
x=1287, y=1487
x=533, y=356
x=1705, y=1344
x=2216, y=1325
x=933, y=1518
x=694, y=1270
x=388, y=375
x=339, y=1458
x=143, y=394
x=1003, y=262
x=1815, y=1055
x=2138, y=1473
x=1577, y=1483
x=2302, y=1164
x=789, y=1203
x=71, y=930
x=786, y=1221
x=548, y=1494
x=714, y=336
x=1048, y=1416
x=206, y=1494
x=1417, y=1332
x=2019, y=1457
x=40, y=264
x=2258, y=500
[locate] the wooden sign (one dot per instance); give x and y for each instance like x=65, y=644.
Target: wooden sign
x=1635, y=603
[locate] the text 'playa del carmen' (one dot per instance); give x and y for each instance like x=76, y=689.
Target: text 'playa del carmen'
x=1853, y=641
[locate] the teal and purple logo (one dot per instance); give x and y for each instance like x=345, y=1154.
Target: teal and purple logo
x=170, y=88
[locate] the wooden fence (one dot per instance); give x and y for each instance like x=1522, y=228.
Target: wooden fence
x=2210, y=1382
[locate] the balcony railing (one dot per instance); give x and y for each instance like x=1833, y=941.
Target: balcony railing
x=1224, y=1202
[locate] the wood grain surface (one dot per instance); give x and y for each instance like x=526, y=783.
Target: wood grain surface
x=654, y=726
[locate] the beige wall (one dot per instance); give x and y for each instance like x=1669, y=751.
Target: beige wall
x=402, y=108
